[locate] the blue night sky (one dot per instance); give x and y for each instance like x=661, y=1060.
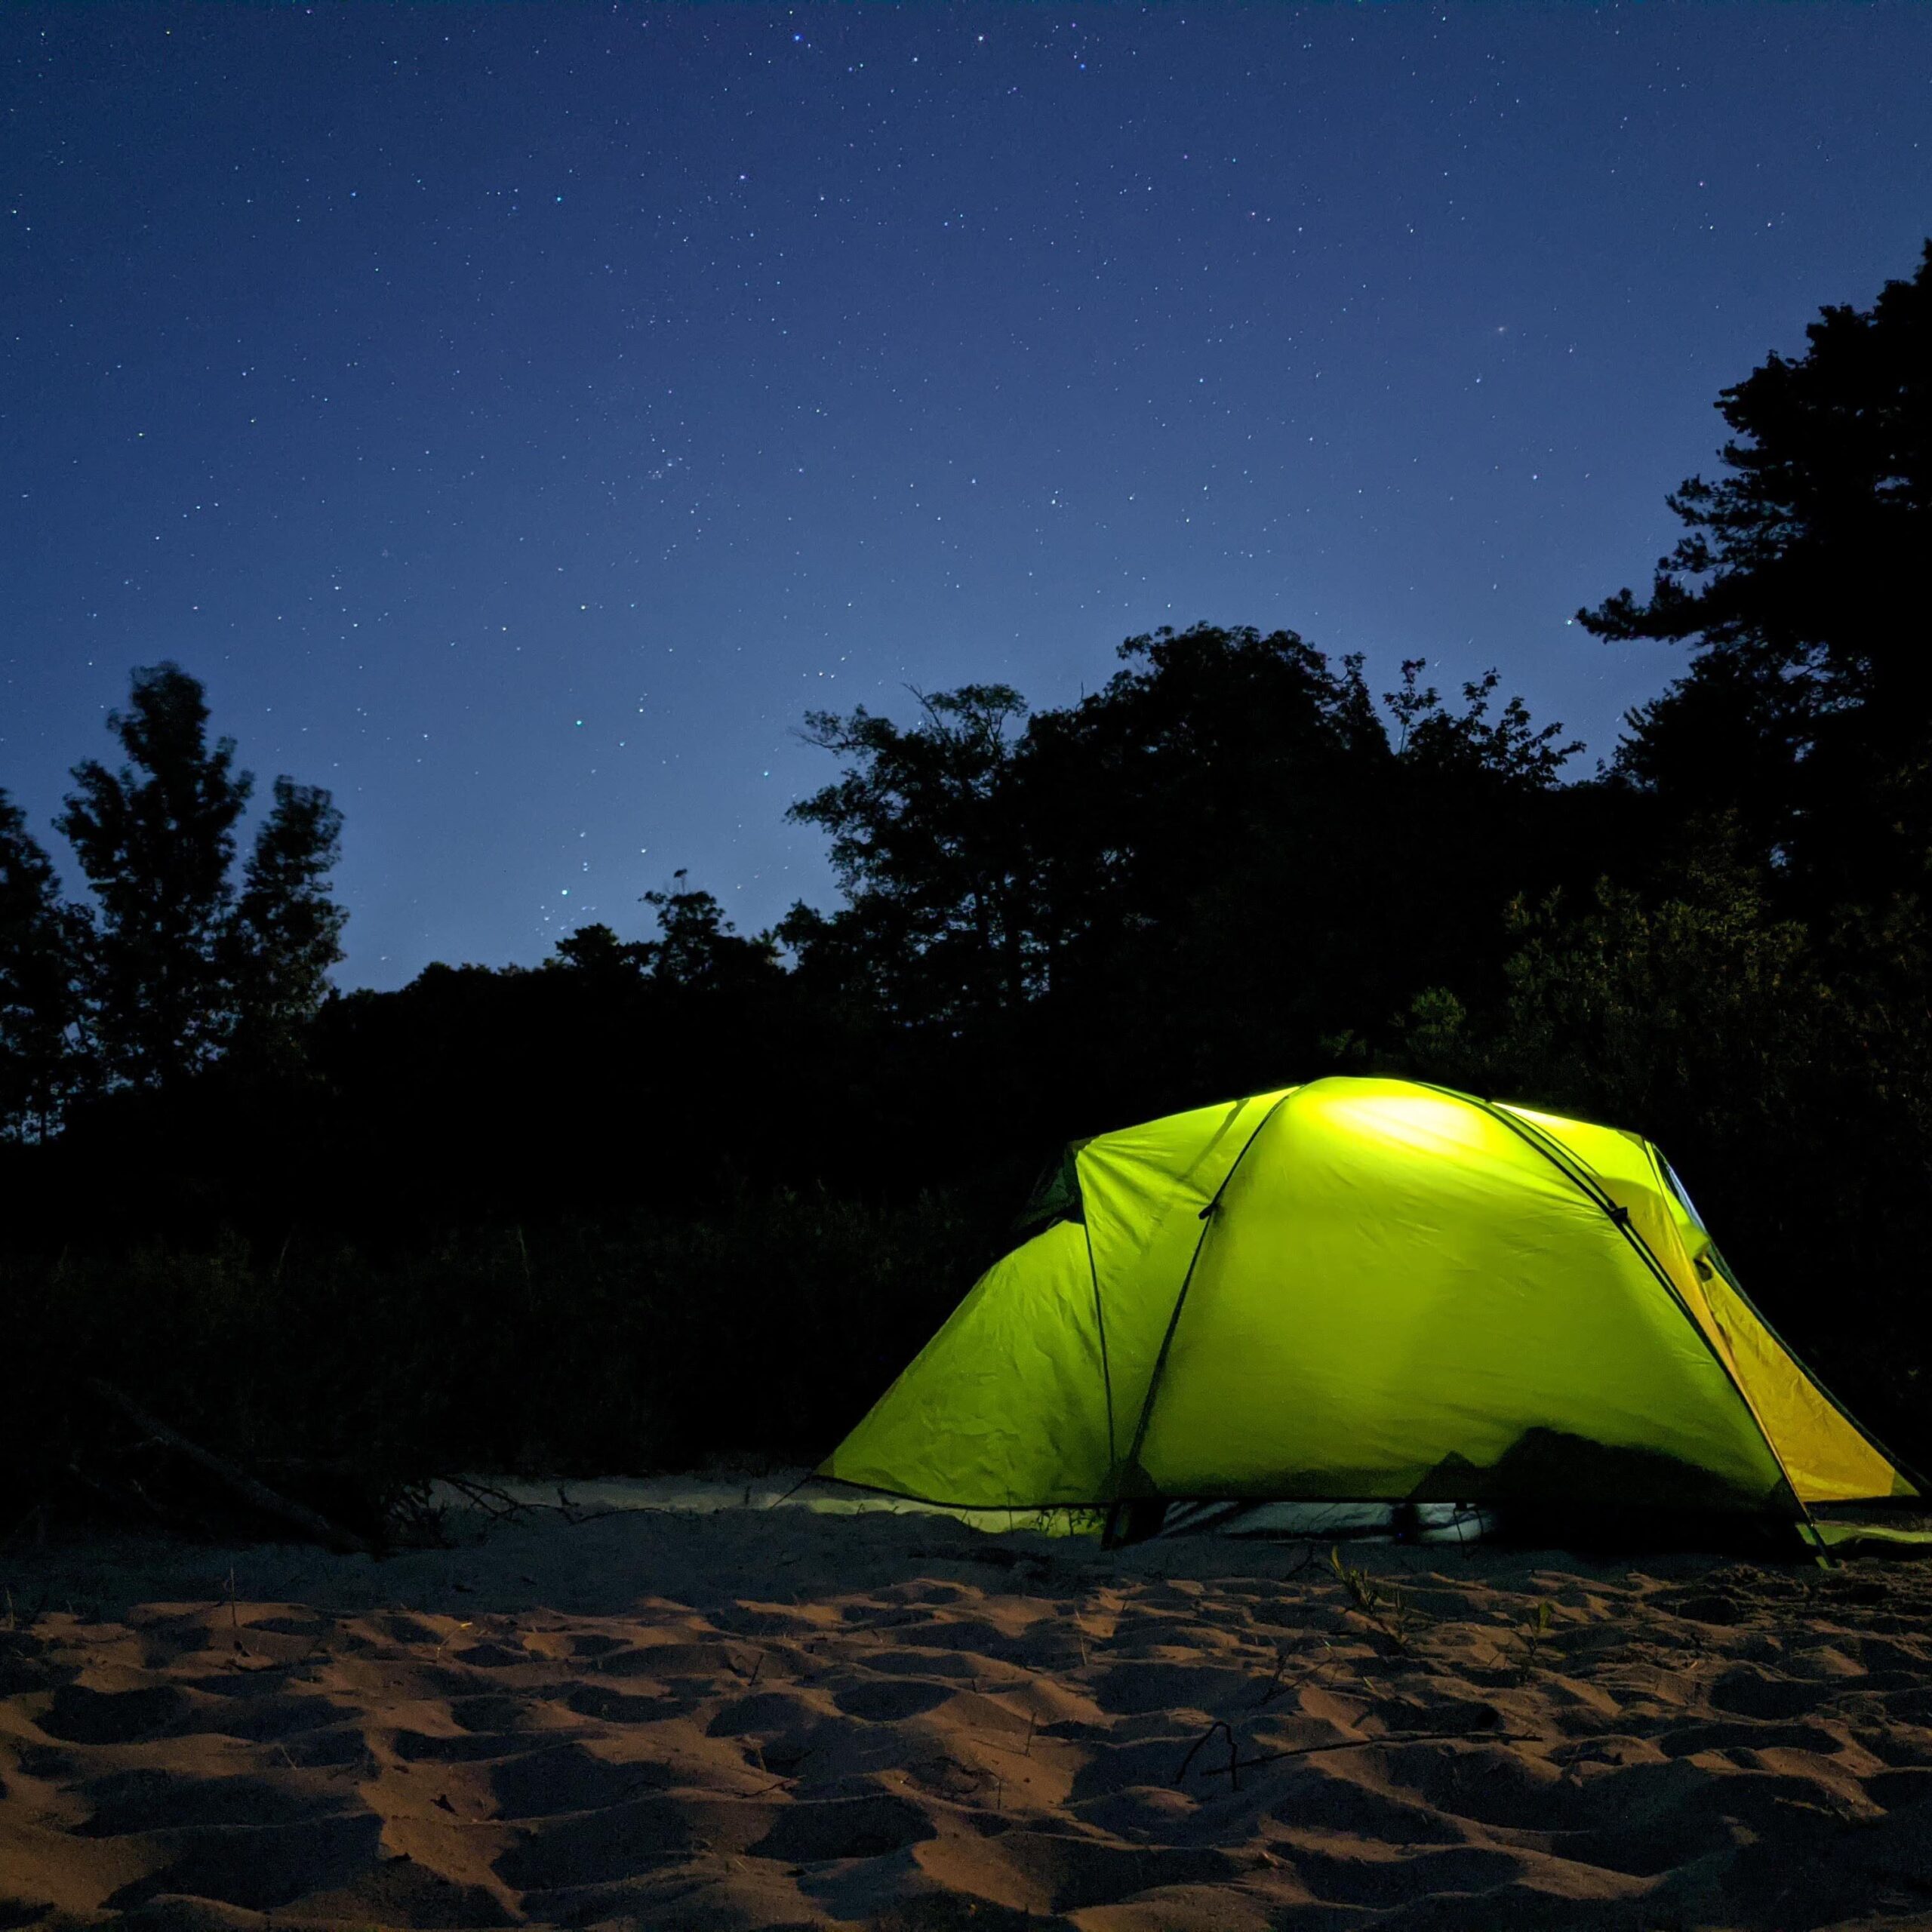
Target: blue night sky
x=520, y=416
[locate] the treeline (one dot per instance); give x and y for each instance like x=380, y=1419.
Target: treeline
x=706, y=1192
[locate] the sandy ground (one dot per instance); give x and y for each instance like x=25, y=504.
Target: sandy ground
x=770, y=1718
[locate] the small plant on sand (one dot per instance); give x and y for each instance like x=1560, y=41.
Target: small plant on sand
x=1531, y=1635
x=1280, y=1684
x=1365, y=1593
x=1402, y=1621
x=1390, y=1612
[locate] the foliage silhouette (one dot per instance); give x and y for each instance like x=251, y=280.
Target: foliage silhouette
x=171, y=968
x=155, y=841
x=1799, y=584
x=928, y=842
x=287, y=932
x=39, y=964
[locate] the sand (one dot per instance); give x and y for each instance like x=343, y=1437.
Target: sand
x=769, y=1718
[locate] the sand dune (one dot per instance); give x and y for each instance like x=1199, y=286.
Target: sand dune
x=754, y=1718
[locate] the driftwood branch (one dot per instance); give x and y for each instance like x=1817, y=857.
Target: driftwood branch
x=501, y=1507
x=237, y=1481
x=497, y=1504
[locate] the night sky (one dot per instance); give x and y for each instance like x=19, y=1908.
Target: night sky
x=519, y=416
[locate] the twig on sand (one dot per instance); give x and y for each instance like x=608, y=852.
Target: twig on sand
x=1236, y=1763
x=1232, y=1767
x=1277, y=1686
x=234, y=1617
x=497, y=1504
x=1000, y=1744
x=258, y=1495
x=500, y=1506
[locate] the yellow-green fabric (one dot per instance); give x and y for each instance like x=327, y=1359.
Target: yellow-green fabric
x=1399, y=1284
x=1143, y=1191
x=1363, y=1289
x=1006, y=1406
x=1827, y=1458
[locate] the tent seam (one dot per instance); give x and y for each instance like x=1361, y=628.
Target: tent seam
x=1100, y=1328
x=1180, y=1299
x=1619, y=1219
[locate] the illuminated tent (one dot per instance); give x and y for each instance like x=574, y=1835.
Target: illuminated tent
x=1363, y=1290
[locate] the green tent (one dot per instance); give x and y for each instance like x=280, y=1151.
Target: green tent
x=1363, y=1290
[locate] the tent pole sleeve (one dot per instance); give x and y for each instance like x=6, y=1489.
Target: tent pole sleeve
x=1208, y=1214
x=1100, y=1329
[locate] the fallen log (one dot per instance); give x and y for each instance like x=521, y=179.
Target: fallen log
x=238, y=1481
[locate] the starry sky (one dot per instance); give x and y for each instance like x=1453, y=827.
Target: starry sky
x=519, y=416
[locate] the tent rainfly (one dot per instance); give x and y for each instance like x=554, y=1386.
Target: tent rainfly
x=1364, y=1290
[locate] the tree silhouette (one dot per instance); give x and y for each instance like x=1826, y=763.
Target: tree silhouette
x=696, y=948
x=1220, y=857
x=287, y=931
x=931, y=853
x=38, y=1005
x=596, y=954
x=1800, y=586
x=1509, y=749
x=174, y=967
x=155, y=841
